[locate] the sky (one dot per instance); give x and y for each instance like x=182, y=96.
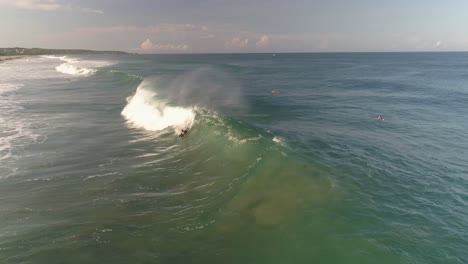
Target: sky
x=236, y=26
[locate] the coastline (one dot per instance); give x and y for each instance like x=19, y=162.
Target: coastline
x=7, y=58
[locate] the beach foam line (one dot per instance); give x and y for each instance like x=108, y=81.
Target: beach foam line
x=6, y=58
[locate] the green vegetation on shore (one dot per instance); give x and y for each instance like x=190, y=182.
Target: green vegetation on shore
x=38, y=51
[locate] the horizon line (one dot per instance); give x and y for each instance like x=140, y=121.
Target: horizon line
x=270, y=52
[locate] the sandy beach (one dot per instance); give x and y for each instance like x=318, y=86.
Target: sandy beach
x=5, y=58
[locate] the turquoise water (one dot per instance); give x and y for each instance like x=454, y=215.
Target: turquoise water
x=92, y=169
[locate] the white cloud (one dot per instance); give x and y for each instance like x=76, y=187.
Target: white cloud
x=198, y=37
x=46, y=5
x=33, y=4
x=237, y=43
x=263, y=41
x=438, y=44
x=149, y=46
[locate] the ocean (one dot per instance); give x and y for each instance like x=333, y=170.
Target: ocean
x=92, y=169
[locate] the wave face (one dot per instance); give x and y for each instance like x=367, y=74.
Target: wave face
x=266, y=184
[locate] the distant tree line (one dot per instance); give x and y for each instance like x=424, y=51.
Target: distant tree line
x=38, y=51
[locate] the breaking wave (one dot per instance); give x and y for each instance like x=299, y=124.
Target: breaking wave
x=68, y=68
x=74, y=66
x=146, y=110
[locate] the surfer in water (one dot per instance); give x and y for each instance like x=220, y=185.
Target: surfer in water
x=183, y=132
x=380, y=118
x=131, y=96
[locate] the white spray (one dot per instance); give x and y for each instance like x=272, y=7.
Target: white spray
x=206, y=88
x=146, y=110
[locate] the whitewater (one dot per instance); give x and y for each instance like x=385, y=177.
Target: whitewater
x=146, y=111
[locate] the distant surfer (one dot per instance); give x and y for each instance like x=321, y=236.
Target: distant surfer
x=380, y=118
x=274, y=92
x=183, y=132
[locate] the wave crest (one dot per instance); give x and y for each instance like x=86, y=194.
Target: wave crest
x=73, y=70
x=146, y=111
x=76, y=67
x=69, y=68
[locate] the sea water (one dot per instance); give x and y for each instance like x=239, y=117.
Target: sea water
x=92, y=169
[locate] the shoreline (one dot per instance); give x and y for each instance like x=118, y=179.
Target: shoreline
x=7, y=58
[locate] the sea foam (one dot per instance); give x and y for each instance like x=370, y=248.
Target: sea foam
x=68, y=68
x=73, y=66
x=146, y=111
